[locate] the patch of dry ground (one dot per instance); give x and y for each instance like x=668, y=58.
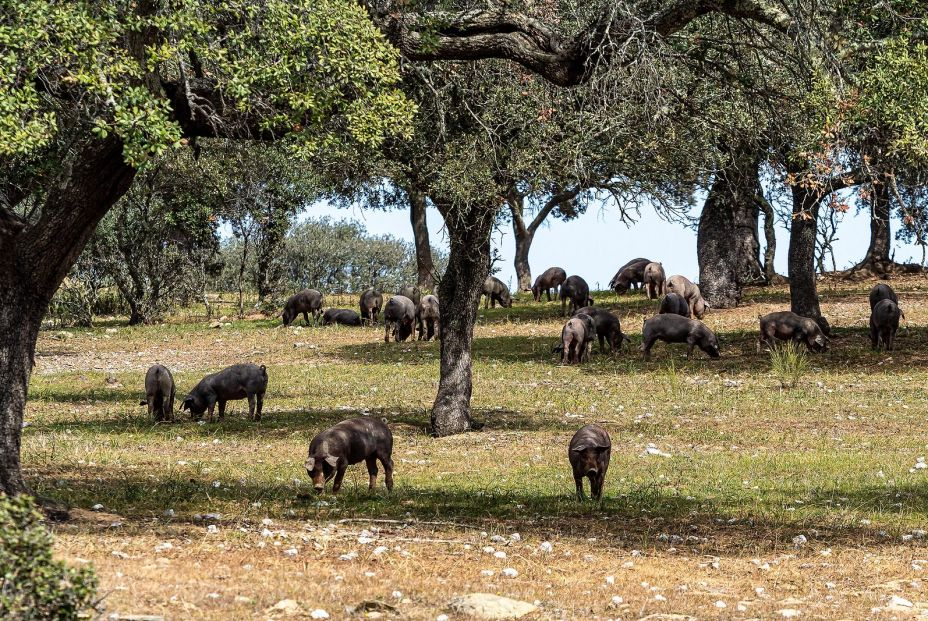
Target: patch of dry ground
x=771, y=503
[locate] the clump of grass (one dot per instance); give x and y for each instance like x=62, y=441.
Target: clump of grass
x=788, y=363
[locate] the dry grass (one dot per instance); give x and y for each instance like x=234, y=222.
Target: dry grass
x=752, y=467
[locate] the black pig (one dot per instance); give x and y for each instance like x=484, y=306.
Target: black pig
x=882, y=291
x=400, y=315
x=551, y=278
x=159, y=393
x=346, y=443
x=608, y=327
x=674, y=303
x=629, y=275
x=672, y=328
x=305, y=302
x=576, y=337
x=589, y=452
x=496, y=291
x=428, y=317
x=371, y=303
x=240, y=381
x=788, y=326
x=341, y=316
x=653, y=279
x=884, y=321
x=577, y=291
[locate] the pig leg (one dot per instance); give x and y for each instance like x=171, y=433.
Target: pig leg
x=547, y=291
x=596, y=486
x=306, y=317
x=372, y=472
x=874, y=336
x=646, y=346
x=339, y=475
x=386, y=331
x=602, y=344
x=209, y=412
x=251, y=406
x=578, y=480
x=222, y=409
x=260, y=399
x=563, y=306
x=171, y=407
x=387, y=463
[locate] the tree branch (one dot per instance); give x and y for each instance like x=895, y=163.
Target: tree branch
x=500, y=33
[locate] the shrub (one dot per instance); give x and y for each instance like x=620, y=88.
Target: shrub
x=788, y=363
x=33, y=585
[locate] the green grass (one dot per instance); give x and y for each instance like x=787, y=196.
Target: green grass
x=819, y=443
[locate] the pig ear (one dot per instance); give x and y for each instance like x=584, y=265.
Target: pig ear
x=332, y=460
x=309, y=464
x=186, y=404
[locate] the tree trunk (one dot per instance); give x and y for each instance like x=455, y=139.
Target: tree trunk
x=770, y=239
x=727, y=241
x=524, y=240
x=877, y=258
x=459, y=292
x=803, y=290
x=420, y=231
x=33, y=262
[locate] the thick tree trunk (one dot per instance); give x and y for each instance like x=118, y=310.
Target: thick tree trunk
x=524, y=240
x=727, y=241
x=803, y=289
x=459, y=292
x=420, y=231
x=33, y=262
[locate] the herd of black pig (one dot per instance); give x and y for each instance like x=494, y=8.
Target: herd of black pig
x=369, y=439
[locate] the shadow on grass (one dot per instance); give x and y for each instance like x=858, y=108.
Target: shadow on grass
x=648, y=515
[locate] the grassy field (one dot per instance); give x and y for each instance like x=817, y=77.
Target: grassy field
x=768, y=502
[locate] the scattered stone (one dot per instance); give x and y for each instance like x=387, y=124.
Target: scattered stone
x=799, y=541
x=546, y=547
x=319, y=613
x=287, y=607
x=510, y=572
x=97, y=507
x=789, y=613
x=489, y=606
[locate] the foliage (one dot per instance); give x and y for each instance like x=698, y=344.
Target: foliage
x=34, y=586
x=316, y=69
x=336, y=257
x=788, y=362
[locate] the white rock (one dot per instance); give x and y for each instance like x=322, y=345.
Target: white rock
x=319, y=613
x=350, y=556
x=610, y=579
x=397, y=595
x=799, y=541
x=489, y=606
x=169, y=513
x=900, y=602
x=97, y=507
x=441, y=618
x=365, y=540
x=499, y=554
x=510, y=572
x=789, y=613
x=290, y=551
x=381, y=550
x=720, y=604
x=515, y=537
x=486, y=572
x=617, y=601
x=212, y=529
x=165, y=545
x=546, y=547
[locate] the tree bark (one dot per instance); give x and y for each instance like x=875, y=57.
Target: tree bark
x=877, y=258
x=524, y=239
x=33, y=262
x=425, y=267
x=727, y=242
x=468, y=265
x=803, y=290
x=770, y=238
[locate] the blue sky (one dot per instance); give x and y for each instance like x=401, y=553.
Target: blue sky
x=597, y=243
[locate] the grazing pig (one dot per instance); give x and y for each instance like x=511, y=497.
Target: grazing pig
x=683, y=286
x=672, y=328
x=159, y=393
x=788, y=326
x=629, y=275
x=884, y=321
x=341, y=316
x=607, y=325
x=674, y=303
x=349, y=442
x=653, y=279
x=399, y=318
x=589, y=453
x=428, y=317
x=412, y=292
x=305, y=302
x=882, y=291
x=551, y=278
x=576, y=337
x=577, y=291
x=496, y=291
x=240, y=381
x=371, y=302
